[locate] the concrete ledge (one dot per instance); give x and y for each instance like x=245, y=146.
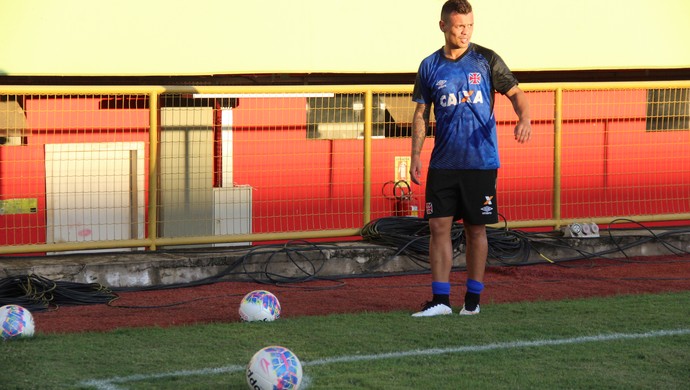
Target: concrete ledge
x=302, y=262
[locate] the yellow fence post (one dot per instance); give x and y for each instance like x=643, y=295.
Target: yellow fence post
x=368, y=115
x=557, y=155
x=153, y=169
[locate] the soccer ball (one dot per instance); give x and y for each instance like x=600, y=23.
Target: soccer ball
x=274, y=367
x=15, y=322
x=259, y=305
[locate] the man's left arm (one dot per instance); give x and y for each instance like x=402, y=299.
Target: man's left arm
x=523, y=129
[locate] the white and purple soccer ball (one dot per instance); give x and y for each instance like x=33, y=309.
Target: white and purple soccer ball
x=15, y=322
x=259, y=305
x=274, y=367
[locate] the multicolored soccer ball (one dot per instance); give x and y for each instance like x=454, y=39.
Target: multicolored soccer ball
x=259, y=305
x=15, y=322
x=274, y=368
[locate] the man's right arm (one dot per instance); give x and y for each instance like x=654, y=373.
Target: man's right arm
x=420, y=122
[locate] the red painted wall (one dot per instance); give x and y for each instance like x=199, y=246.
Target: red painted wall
x=51, y=121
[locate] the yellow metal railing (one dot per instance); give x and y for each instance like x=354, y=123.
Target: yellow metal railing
x=565, y=114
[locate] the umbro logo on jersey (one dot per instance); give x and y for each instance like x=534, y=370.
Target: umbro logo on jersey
x=441, y=84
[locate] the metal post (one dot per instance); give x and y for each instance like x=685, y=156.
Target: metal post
x=368, y=115
x=153, y=169
x=557, y=156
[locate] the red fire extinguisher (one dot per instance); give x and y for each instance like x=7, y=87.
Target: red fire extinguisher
x=405, y=204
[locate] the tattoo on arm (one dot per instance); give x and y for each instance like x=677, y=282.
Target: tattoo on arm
x=420, y=122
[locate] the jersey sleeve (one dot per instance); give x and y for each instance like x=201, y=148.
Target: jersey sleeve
x=502, y=78
x=420, y=93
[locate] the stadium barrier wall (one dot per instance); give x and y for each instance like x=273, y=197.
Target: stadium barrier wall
x=82, y=170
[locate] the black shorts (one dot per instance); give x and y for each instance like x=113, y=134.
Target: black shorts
x=469, y=195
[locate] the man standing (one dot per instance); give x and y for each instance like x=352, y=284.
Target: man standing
x=460, y=80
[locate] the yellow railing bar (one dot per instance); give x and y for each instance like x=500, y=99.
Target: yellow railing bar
x=163, y=241
x=171, y=241
x=74, y=246
x=601, y=221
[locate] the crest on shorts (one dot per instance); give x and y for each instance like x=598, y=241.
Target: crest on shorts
x=429, y=208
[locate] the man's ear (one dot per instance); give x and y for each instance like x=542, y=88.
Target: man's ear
x=442, y=25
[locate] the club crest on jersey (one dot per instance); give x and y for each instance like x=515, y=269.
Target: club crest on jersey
x=470, y=97
x=474, y=78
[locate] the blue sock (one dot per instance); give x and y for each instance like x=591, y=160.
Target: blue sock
x=441, y=291
x=474, y=286
x=474, y=289
x=440, y=288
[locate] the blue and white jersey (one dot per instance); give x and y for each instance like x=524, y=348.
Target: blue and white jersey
x=462, y=93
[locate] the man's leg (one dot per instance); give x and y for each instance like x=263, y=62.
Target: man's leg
x=441, y=262
x=476, y=251
x=440, y=249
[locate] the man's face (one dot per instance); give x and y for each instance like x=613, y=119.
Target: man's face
x=458, y=30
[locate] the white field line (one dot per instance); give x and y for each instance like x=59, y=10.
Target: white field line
x=116, y=382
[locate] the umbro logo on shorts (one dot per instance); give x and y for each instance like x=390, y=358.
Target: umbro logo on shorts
x=487, y=209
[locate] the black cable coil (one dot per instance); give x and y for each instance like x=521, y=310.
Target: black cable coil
x=36, y=293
